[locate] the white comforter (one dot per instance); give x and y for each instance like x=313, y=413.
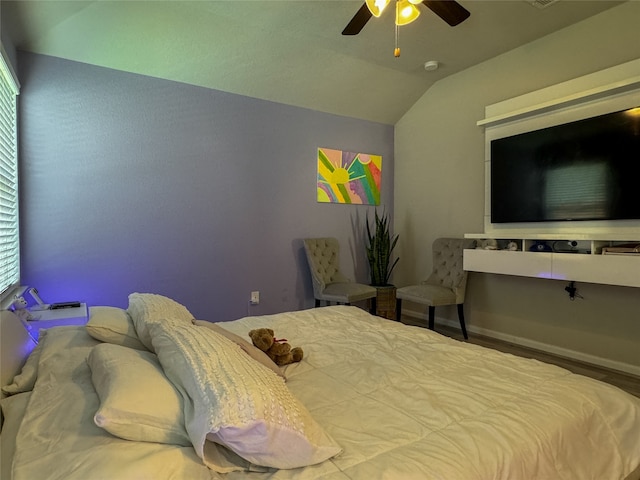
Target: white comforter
x=408, y=403
x=403, y=402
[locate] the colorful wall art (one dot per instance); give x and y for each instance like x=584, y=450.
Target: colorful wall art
x=348, y=177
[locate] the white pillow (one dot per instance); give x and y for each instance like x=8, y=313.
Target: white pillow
x=137, y=402
x=147, y=308
x=250, y=349
x=113, y=325
x=236, y=402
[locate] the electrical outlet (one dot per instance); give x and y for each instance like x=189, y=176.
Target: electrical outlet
x=255, y=298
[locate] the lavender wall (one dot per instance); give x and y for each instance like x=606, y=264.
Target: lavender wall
x=131, y=183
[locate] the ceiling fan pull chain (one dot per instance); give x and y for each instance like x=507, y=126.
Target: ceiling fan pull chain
x=396, y=51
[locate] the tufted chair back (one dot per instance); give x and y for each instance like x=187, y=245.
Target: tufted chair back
x=323, y=255
x=447, y=265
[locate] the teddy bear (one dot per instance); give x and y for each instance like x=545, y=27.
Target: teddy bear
x=277, y=350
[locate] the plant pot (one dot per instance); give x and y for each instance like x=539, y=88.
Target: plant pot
x=386, y=301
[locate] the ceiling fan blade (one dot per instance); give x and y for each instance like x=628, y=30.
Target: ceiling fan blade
x=358, y=21
x=448, y=10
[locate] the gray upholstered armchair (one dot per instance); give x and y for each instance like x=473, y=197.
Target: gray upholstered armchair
x=447, y=283
x=329, y=284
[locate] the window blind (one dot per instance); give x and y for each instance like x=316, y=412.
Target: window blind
x=9, y=228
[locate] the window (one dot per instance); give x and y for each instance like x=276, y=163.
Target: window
x=9, y=229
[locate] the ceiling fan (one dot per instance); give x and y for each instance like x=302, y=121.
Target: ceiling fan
x=406, y=12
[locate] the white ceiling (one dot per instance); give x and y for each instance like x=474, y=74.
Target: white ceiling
x=290, y=52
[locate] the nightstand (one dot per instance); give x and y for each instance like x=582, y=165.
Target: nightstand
x=56, y=318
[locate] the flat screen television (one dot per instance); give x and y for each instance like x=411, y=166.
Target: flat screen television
x=583, y=170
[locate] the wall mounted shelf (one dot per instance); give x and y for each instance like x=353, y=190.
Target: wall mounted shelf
x=586, y=263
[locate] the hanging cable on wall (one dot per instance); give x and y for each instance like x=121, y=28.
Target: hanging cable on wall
x=572, y=290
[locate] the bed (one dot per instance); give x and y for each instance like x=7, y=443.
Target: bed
x=371, y=399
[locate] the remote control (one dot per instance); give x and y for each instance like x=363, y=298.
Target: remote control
x=56, y=306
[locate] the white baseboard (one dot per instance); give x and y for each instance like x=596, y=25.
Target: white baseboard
x=535, y=345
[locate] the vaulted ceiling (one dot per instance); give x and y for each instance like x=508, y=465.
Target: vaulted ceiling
x=290, y=52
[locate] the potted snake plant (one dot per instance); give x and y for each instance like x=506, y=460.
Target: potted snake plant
x=379, y=254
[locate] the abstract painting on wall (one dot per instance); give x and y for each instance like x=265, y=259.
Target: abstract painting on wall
x=348, y=177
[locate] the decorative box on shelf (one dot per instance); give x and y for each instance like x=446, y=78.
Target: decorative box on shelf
x=44, y=317
x=628, y=249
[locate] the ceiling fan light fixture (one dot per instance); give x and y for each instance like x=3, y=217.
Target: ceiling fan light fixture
x=376, y=7
x=634, y=112
x=406, y=12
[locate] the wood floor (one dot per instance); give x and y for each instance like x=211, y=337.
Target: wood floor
x=624, y=381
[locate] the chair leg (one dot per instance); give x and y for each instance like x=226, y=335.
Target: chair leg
x=461, y=318
x=399, y=309
x=372, y=306
x=317, y=303
x=432, y=316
